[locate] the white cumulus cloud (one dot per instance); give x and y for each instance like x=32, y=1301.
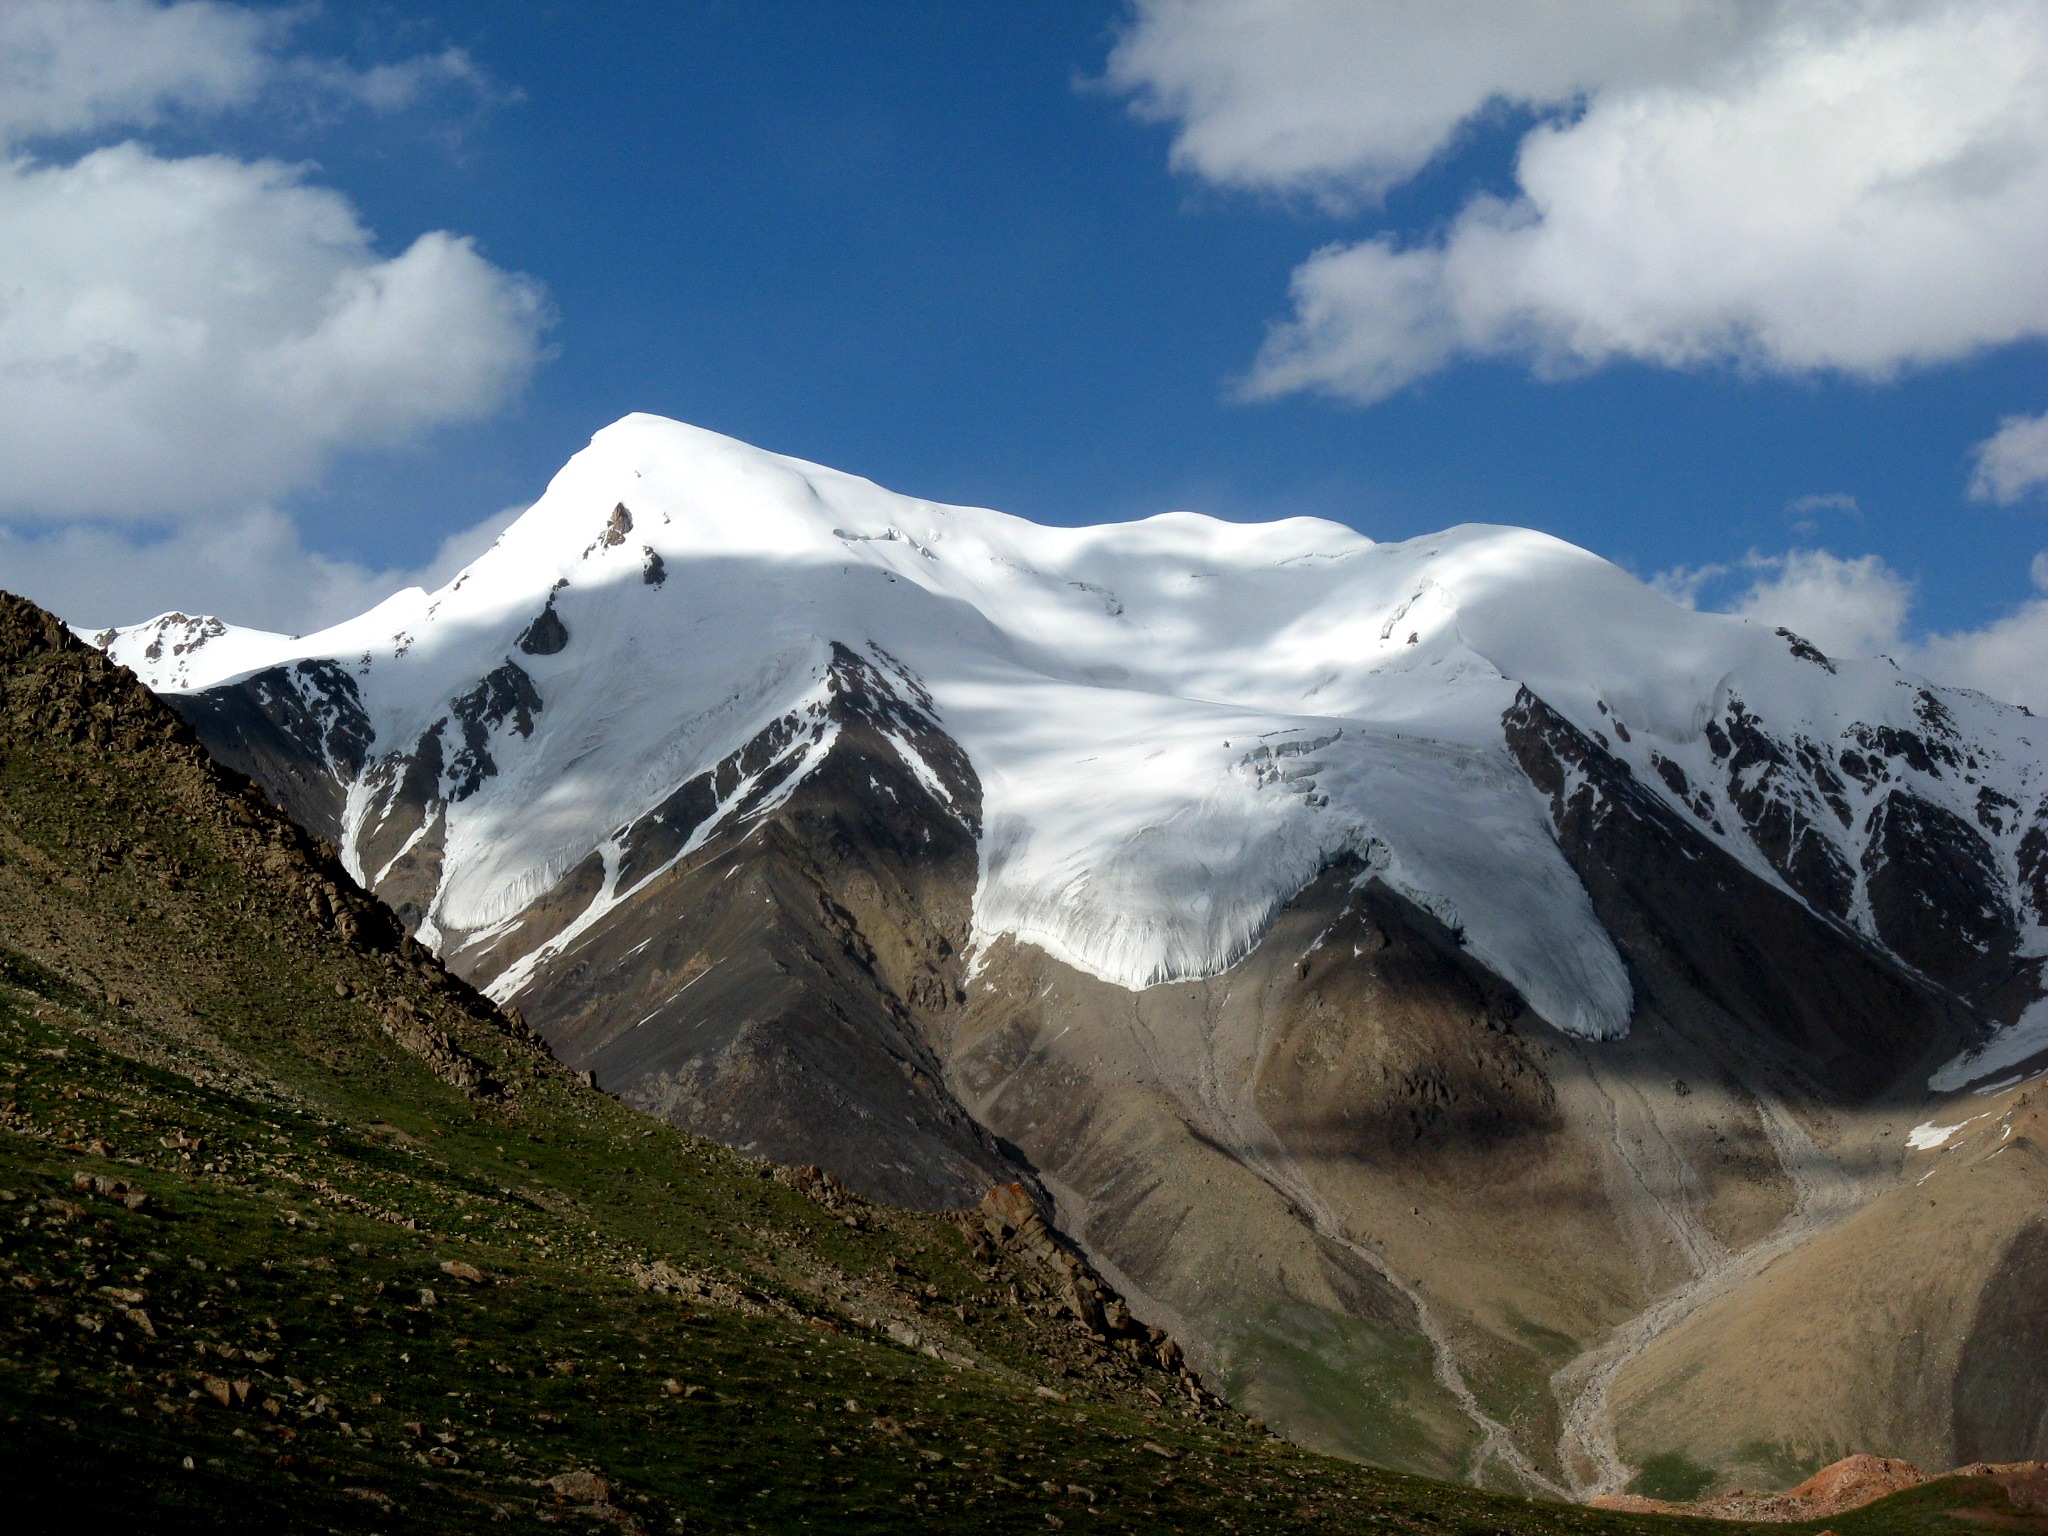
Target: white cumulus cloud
x=1860, y=606
x=2013, y=461
x=1855, y=186
x=72, y=66
x=2007, y=658
x=178, y=336
x=1346, y=99
x=250, y=568
x=81, y=66
x=1850, y=606
x=200, y=335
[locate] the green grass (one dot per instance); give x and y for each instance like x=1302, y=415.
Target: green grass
x=1354, y=1384
x=1671, y=1476
x=1946, y=1504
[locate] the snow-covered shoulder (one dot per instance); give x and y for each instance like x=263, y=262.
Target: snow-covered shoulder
x=183, y=653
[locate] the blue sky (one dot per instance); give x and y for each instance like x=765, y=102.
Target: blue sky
x=929, y=243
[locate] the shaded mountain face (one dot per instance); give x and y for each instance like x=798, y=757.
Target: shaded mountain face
x=1435, y=980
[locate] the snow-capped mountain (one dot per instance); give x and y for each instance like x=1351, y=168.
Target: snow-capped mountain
x=1254, y=887
x=1176, y=723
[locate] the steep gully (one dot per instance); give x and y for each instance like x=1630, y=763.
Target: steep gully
x=1224, y=1092
x=1825, y=1193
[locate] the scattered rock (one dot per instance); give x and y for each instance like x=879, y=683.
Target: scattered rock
x=469, y=1274
x=581, y=1487
x=1855, y=1481
x=660, y=1276
x=120, y=1191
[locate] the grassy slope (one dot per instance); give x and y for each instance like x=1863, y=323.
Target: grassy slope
x=194, y=1003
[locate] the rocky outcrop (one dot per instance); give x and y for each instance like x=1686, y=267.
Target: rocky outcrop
x=1698, y=927
x=786, y=983
x=1011, y=1218
x=1845, y=1485
x=1936, y=892
x=300, y=731
x=403, y=1021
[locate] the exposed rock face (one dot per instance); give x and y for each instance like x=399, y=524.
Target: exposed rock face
x=299, y=730
x=779, y=984
x=784, y=996
x=547, y=635
x=1935, y=889
x=1700, y=928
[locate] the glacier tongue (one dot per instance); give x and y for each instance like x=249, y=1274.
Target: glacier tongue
x=1177, y=722
x=1159, y=849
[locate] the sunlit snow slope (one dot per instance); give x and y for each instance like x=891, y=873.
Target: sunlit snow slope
x=1176, y=722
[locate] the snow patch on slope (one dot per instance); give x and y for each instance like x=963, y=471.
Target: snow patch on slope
x=2023, y=1039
